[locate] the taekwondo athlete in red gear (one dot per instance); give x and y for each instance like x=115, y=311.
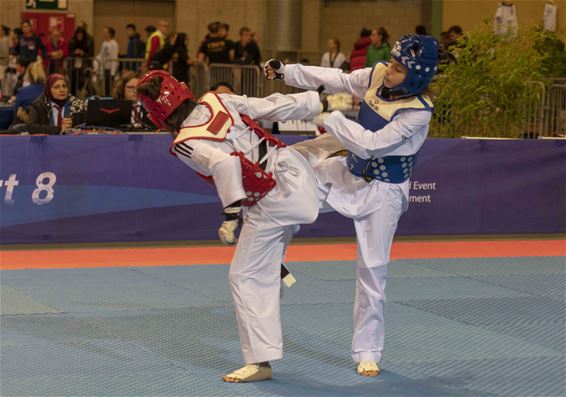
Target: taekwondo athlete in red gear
x=218, y=138
x=371, y=184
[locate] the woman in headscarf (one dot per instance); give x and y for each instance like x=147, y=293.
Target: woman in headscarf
x=56, y=110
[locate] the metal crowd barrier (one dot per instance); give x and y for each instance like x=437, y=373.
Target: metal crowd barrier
x=544, y=116
x=534, y=110
x=273, y=86
x=82, y=76
x=199, y=79
x=87, y=77
x=554, y=119
x=245, y=79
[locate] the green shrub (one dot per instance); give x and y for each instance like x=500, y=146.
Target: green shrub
x=488, y=89
x=551, y=48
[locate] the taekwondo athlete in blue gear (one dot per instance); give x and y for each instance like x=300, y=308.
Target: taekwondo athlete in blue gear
x=371, y=184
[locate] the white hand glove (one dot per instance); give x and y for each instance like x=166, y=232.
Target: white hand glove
x=342, y=102
x=274, y=69
x=227, y=231
x=321, y=118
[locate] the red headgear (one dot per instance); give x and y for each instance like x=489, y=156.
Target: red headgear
x=172, y=95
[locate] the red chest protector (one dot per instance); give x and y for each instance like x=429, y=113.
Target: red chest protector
x=256, y=182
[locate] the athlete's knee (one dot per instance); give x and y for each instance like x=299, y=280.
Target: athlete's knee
x=372, y=263
x=372, y=277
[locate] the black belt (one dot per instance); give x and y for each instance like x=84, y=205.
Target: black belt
x=10, y=70
x=262, y=151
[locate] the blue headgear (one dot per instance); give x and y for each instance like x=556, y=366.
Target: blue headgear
x=419, y=54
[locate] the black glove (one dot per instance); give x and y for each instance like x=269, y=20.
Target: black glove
x=274, y=69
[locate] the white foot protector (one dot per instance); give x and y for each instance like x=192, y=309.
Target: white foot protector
x=249, y=373
x=368, y=368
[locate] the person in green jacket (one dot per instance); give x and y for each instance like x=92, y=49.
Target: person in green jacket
x=379, y=50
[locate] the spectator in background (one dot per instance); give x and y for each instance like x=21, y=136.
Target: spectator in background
x=56, y=110
x=81, y=48
x=90, y=39
x=155, y=42
x=34, y=80
x=149, y=29
x=136, y=47
x=4, y=51
x=180, y=58
x=256, y=38
x=125, y=89
x=445, y=39
x=222, y=88
x=29, y=45
x=333, y=58
x=162, y=58
x=83, y=24
x=57, y=51
x=224, y=33
x=454, y=43
x=421, y=29
x=379, y=50
x=454, y=33
x=359, y=53
x=445, y=57
x=21, y=67
x=108, y=51
x=215, y=49
x=10, y=76
x=246, y=51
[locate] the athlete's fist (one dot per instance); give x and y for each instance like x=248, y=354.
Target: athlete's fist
x=227, y=232
x=274, y=69
x=342, y=102
x=233, y=220
x=320, y=119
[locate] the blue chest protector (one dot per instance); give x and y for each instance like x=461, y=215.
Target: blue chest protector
x=375, y=113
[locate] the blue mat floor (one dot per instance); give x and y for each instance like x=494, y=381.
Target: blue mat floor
x=454, y=327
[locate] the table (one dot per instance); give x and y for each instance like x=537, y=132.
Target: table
x=6, y=116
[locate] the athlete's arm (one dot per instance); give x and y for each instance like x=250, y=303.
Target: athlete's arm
x=277, y=107
x=367, y=144
x=333, y=80
x=209, y=160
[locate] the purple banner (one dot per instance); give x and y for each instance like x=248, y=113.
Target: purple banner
x=128, y=188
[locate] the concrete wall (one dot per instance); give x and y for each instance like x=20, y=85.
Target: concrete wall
x=11, y=10
x=193, y=16
x=344, y=20
x=470, y=13
x=321, y=19
x=119, y=13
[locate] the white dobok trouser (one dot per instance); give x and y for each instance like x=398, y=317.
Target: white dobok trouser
x=374, y=235
x=375, y=228
x=255, y=272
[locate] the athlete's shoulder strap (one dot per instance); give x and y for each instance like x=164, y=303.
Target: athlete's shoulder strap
x=215, y=128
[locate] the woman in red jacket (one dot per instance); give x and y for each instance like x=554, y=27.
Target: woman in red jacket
x=57, y=51
x=359, y=53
